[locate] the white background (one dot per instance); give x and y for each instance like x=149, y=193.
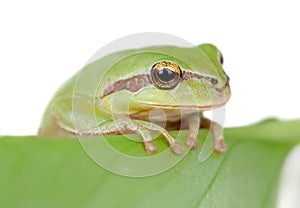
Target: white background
x=43, y=44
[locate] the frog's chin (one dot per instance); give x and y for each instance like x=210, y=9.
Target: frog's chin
x=188, y=103
x=170, y=113
x=197, y=100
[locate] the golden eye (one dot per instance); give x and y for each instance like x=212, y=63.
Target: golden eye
x=165, y=75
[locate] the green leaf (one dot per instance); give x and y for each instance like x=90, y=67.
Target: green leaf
x=58, y=173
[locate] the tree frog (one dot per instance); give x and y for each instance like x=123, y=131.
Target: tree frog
x=145, y=90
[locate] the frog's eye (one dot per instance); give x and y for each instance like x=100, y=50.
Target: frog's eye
x=165, y=75
x=221, y=58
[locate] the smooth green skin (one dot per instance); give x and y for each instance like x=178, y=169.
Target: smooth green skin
x=80, y=93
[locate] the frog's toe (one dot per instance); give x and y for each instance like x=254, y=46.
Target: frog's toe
x=177, y=148
x=220, y=146
x=192, y=142
x=150, y=147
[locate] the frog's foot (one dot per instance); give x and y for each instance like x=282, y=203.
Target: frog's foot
x=219, y=142
x=176, y=148
x=192, y=142
x=150, y=147
x=194, y=122
x=220, y=145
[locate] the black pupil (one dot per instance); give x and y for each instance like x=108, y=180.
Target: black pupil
x=166, y=75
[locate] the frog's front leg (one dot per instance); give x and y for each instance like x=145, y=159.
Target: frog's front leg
x=143, y=128
x=125, y=126
x=148, y=143
x=193, y=123
x=219, y=143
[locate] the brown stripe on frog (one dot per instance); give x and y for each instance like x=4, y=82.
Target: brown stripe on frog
x=186, y=75
x=132, y=84
x=135, y=83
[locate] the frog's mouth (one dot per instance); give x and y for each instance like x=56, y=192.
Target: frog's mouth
x=184, y=107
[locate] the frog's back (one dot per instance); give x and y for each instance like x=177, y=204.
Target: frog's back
x=48, y=126
x=86, y=81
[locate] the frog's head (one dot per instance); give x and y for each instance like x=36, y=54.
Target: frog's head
x=171, y=79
